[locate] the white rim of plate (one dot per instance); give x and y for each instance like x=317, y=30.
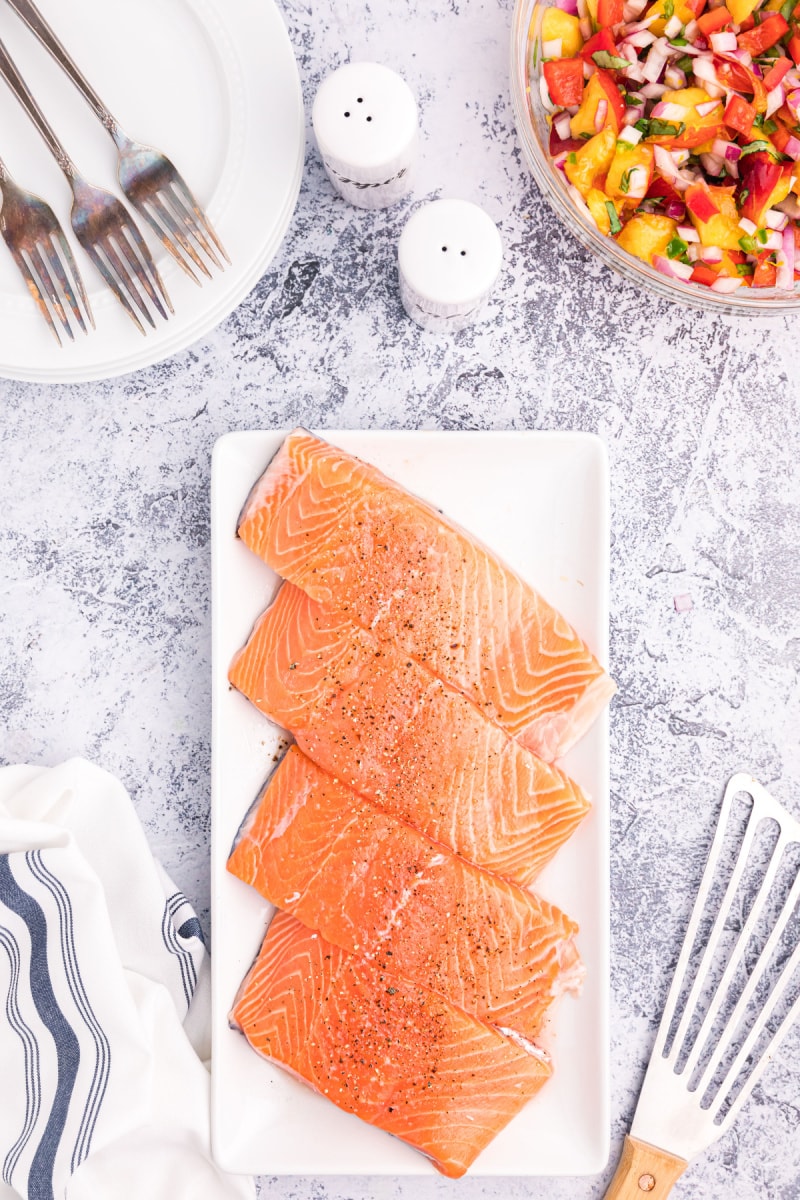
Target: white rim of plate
x=217, y=300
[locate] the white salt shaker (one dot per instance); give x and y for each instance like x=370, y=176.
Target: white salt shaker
x=366, y=124
x=449, y=258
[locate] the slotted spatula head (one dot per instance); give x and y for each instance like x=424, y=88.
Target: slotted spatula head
x=734, y=994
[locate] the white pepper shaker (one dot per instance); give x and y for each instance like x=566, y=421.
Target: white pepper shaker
x=449, y=258
x=366, y=123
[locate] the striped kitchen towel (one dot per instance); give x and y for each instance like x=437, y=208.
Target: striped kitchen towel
x=103, y=1002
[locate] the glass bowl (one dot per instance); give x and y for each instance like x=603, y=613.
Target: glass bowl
x=534, y=133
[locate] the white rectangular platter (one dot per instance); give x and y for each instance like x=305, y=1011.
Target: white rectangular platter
x=541, y=501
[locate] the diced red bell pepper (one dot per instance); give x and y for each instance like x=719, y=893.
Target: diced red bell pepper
x=609, y=12
x=711, y=22
x=702, y=273
x=564, y=78
x=615, y=101
x=601, y=41
x=793, y=47
x=664, y=194
x=559, y=145
x=696, y=6
x=776, y=73
x=765, y=273
x=767, y=34
x=780, y=137
x=739, y=115
x=700, y=202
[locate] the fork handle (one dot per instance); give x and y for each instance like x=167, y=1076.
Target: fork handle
x=644, y=1172
x=30, y=14
x=20, y=89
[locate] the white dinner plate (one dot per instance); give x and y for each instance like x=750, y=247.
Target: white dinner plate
x=211, y=83
x=541, y=501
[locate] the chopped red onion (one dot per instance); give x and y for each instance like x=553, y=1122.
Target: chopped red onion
x=772, y=241
x=639, y=40
x=680, y=157
x=792, y=79
x=690, y=31
x=675, y=210
x=628, y=133
x=688, y=233
x=568, y=6
x=600, y=115
x=579, y=202
x=560, y=160
x=633, y=9
x=793, y=101
x=713, y=165
x=640, y=25
x=748, y=226
x=707, y=108
x=776, y=220
x=723, y=43
x=652, y=91
x=675, y=78
x=712, y=254
x=654, y=63
x=583, y=10
x=634, y=72
x=726, y=284
x=683, y=603
x=704, y=68
x=561, y=124
x=785, y=259
x=720, y=147
x=673, y=27
x=792, y=148
x=672, y=268
x=775, y=99
x=694, y=251
x=545, y=95
x=733, y=153
x=666, y=111
x=744, y=57
x=585, y=25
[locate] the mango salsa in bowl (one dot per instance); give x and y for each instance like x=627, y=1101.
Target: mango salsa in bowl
x=666, y=134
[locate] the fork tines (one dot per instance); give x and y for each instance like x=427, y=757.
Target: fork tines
x=182, y=226
x=52, y=278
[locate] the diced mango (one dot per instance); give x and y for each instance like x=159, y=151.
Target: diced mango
x=564, y=27
x=584, y=119
x=720, y=231
x=596, y=203
x=680, y=10
x=647, y=235
x=740, y=10
x=631, y=171
x=591, y=162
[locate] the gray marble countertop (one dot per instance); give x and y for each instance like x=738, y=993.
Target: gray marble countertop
x=104, y=532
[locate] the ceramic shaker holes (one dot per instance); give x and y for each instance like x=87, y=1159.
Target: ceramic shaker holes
x=366, y=123
x=449, y=258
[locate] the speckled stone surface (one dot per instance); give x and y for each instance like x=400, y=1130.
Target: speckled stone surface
x=104, y=529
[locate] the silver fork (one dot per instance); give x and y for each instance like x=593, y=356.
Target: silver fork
x=32, y=233
x=102, y=225
x=147, y=177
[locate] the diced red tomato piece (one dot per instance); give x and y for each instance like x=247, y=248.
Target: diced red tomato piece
x=765, y=272
x=794, y=48
x=704, y=274
x=700, y=202
x=564, y=78
x=776, y=73
x=739, y=115
x=711, y=22
x=762, y=36
x=616, y=103
x=609, y=12
x=696, y=6
x=601, y=41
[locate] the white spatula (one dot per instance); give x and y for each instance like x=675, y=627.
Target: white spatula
x=733, y=997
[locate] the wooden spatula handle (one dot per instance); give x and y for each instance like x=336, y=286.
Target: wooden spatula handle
x=644, y=1173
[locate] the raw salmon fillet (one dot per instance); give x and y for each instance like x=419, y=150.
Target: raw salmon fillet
x=377, y=887
x=356, y=541
x=391, y=1053
x=394, y=732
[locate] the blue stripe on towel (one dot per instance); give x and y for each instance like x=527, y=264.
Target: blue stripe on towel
x=30, y=1049
x=40, y=1179
x=185, y=961
x=72, y=970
